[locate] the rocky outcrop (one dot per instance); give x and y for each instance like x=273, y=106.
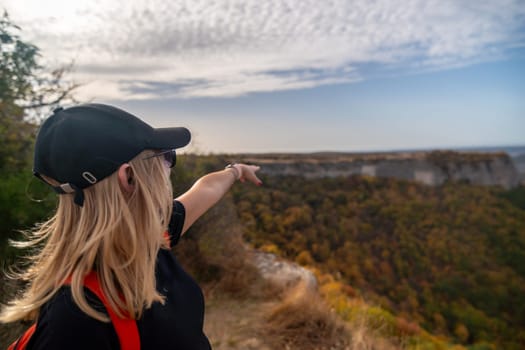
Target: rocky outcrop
x=431, y=168
x=282, y=272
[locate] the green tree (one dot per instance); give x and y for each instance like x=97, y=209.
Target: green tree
x=28, y=91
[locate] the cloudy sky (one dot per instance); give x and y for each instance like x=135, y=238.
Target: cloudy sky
x=291, y=75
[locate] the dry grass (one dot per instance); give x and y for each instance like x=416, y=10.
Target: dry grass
x=303, y=321
x=364, y=337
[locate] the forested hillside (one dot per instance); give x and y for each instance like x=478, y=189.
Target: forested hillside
x=451, y=258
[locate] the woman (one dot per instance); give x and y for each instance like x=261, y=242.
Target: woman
x=112, y=173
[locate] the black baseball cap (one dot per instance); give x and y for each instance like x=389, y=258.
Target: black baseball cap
x=81, y=145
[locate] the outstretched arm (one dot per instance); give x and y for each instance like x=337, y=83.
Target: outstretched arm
x=210, y=188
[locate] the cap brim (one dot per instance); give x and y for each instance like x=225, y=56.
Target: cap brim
x=170, y=138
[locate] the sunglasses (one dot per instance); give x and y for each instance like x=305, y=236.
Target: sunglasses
x=170, y=157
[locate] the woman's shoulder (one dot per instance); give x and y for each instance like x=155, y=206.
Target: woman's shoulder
x=63, y=325
x=62, y=303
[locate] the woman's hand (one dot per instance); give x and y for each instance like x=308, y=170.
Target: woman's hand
x=247, y=173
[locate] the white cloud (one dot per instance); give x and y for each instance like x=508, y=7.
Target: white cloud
x=131, y=49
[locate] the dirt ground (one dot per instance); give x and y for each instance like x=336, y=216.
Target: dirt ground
x=234, y=324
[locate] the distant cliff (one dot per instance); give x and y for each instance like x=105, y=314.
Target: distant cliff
x=431, y=168
x=519, y=162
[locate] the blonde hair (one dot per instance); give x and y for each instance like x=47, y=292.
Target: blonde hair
x=116, y=234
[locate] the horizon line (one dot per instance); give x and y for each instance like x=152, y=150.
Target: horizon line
x=490, y=149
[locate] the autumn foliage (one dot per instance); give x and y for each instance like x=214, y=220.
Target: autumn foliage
x=448, y=259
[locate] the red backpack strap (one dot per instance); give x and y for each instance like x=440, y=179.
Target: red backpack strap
x=126, y=328
x=21, y=343
x=167, y=238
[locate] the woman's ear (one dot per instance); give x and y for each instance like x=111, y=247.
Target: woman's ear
x=125, y=178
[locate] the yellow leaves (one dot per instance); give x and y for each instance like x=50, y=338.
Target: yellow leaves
x=297, y=217
x=461, y=332
x=304, y=258
x=270, y=248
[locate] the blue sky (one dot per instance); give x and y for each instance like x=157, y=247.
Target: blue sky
x=479, y=105
x=298, y=76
